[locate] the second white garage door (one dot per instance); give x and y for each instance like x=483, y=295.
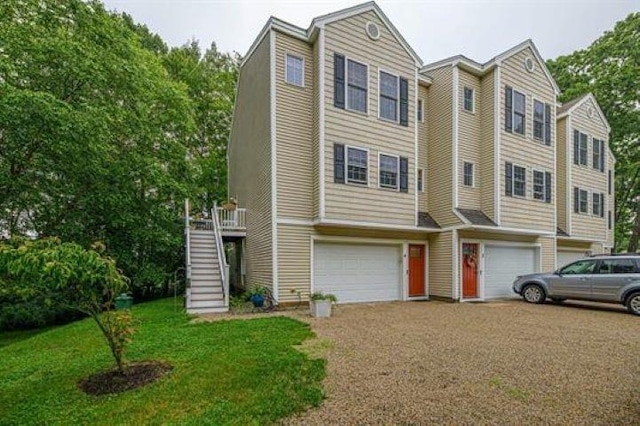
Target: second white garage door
x=503, y=264
x=567, y=256
x=358, y=272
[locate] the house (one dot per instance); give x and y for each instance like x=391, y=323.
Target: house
x=367, y=174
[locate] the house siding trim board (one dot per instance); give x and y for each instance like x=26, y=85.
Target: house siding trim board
x=274, y=169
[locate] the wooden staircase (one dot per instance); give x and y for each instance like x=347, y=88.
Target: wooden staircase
x=206, y=291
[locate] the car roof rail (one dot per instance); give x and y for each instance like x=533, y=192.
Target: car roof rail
x=615, y=254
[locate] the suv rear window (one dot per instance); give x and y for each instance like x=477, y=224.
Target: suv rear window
x=617, y=266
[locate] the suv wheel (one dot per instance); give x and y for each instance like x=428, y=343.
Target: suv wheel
x=633, y=303
x=533, y=293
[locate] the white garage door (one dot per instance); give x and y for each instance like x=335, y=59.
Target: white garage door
x=503, y=264
x=565, y=257
x=358, y=272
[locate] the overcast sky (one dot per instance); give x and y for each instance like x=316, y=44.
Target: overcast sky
x=434, y=28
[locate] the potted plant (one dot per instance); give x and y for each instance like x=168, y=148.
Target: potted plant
x=256, y=295
x=320, y=304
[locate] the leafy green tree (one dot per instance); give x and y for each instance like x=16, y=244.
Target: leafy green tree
x=93, y=135
x=610, y=69
x=67, y=274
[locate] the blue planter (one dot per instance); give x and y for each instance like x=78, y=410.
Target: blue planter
x=257, y=300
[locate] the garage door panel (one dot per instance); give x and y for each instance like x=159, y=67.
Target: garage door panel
x=503, y=264
x=566, y=256
x=358, y=272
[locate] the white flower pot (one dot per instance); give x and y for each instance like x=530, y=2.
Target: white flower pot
x=320, y=308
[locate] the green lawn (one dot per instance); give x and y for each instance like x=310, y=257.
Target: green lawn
x=228, y=372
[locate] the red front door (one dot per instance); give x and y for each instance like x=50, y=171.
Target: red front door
x=416, y=270
x=469, y=270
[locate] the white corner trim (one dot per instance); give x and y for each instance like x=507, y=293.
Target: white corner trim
x=569, y=167
x=455, y=266
x=321, y=123
x=497, y=113
x=454, y=136
x=274, y=170
x=416, y=147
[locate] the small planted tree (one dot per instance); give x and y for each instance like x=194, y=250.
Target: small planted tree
x=81, y=279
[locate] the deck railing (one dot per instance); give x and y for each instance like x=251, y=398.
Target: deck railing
x=222, y=257
x=231, y=219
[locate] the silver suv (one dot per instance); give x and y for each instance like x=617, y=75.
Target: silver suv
x=603, y=278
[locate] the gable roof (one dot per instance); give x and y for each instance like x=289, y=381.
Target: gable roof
x=319, y=22
x=568, y=107
x=480, y=69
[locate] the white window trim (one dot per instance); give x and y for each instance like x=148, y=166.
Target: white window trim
x=593, y=193
x=473, y=174
x=513, y=110
x=533, y=185
x=420, y=172
x=580, y=191
x=421, y=103
x=533, y=120
x=593, y=138
x=346, y=85
x=286, y=76
x=346, y=166
x=589, y=138
x=397, y=76
x=513, y=183
x=389, y=188
x=473, y=100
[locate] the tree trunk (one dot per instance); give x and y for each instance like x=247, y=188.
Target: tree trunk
x=635, y=233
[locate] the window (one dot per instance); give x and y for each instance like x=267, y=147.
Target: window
x=583, y=199
x=468, y=174
x=357, y=166
x=388, y=171
x=388, y=96
x=580, y=267
x=519, y=181
x=420, y=180
x=294, y=70
x=469, y=96
x=542, y=122
x=598, y=204
x=538, y=185
x=515, y=111
x=580, y=148
x=598, y=154
x=357, y=83
x=515, y=180
x=617, y=266
x=420, y=110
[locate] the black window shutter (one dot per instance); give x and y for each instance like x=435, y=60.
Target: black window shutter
x=576, y=147
x=338, y=163
x=404, y=174
x=338, y=80
x=576, y=200
x=508, y=109
x=609, y=182
x=508, y=179
x=602, y=156
x=547, y=124
x=404, y=102
x=601, y=204
x=547, y=187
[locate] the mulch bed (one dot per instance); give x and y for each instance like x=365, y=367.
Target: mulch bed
x=135, y=376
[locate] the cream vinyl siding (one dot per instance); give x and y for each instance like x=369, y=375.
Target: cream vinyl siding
x=294, y=118
x=250, y=162
x=338, y=231
x=423, y=163
x=355, y=202
x=469, y=137
x=440, y=264
x=315, y=138
x=496, y=236
x=439, y=147
x=561, y=173
x=586, y=177
x=548, y=245
x=485, y=168
x=524, y=151
x=294, y=262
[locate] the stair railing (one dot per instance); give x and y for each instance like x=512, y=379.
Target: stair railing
x=187, y=237
x=222, y=258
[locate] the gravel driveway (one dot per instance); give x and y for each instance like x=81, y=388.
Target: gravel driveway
x=492, y=363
